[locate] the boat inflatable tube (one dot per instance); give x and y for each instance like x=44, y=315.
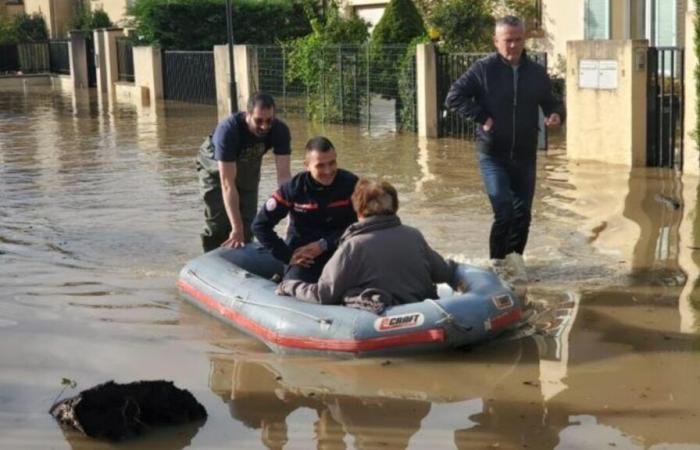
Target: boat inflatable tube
x=236, y=285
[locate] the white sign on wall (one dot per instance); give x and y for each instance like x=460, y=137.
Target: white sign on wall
x=597, y=74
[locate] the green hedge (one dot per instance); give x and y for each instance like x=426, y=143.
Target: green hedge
x=696, y=49
x=23, y=28
x=201, y=24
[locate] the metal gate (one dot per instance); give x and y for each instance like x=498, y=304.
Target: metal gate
x=450, y=66
x=665, y=87
x=188, y=76
x=90, y=55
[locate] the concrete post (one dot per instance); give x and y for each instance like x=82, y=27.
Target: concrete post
x=606, y=99
x=221, y=79
x=109, y=57
x=148, y=73
x=245, y=65
x=245, y=62
x=100, y=69
x=77, y=52
x=691, y=156
x=426, y=87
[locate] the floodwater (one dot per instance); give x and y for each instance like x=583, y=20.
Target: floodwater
x=99, y=210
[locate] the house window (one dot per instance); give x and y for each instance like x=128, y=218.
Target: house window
x=597, y=19
x=661, y=22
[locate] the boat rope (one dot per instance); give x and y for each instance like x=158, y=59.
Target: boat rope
x=448, y=318
x=322, y=320
x=239, y=299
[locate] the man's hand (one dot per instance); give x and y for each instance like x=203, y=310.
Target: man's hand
x=488, y=124
x=235, y=240
x=552, y=121
x=305, y=255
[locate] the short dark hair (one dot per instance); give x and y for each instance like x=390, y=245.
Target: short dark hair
x=375, y=198
x=319, y=144
x=261, y=100
x=510, y=21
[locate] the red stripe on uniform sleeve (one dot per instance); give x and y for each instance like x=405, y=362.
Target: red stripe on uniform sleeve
x=277, y=196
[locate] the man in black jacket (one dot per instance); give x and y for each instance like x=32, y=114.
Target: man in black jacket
x=318, y=201
x=502, y=93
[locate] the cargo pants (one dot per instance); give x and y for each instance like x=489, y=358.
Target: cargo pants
x=217, y=227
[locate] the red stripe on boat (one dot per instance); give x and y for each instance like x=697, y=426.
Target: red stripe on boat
x=504, y=320
x=378, y=343
x=339, y=203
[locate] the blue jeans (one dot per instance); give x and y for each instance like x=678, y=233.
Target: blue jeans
x=510, y=186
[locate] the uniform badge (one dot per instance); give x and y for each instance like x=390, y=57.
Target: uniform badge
x=271, y=204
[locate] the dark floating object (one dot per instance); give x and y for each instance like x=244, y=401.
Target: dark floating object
x=120, y=411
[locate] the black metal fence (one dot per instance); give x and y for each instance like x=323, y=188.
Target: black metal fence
x=125, y=60
x=59, y=60
x=34, y=57
x=665, y=91
x=451, y=66
x=188, y=76
x=353, y=85
x=9, y=58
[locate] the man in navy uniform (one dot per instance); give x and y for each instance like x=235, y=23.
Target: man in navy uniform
x=318, y=201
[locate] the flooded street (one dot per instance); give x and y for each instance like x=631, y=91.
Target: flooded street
x=99, y=210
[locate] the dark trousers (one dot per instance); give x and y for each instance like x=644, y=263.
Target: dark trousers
x=217, y=227
x=310, y=274
x=510, y=186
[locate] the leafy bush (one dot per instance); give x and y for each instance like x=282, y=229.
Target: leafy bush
x=30, y=28
x=400, y=24
x=696, y=49
x=316, y=60
x=87, y=20
x=201, y=24
x=7, y=31
x=464, y=25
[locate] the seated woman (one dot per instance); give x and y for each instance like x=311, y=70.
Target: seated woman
x=378, y=259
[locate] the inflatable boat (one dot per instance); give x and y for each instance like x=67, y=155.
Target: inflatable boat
x=236, y=285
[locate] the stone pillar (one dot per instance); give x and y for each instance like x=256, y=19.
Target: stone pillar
x=77, y=54
x=108, y=59
x=245, y=63
x=606, y=99
x=426, y=91
x=691, y=155
x=148, y=73
x=245, y=72
x=221, y=77
x=100, y=69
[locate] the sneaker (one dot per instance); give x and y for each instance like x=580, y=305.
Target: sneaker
x=500, y=268
x=516, y=264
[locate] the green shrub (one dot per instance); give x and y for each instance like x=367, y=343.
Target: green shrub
x=7, y=31
x=696, y=49
x=316, y=60
x=464, y=25
x=400, y=24
x=30, y=28
x=86, y=20
x=201, y=24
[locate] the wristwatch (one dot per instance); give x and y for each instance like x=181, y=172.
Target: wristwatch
x=323, y=244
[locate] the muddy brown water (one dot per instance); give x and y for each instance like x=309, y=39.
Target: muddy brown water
x=99, y=210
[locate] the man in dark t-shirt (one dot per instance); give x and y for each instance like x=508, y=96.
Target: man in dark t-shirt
x=228, y=167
